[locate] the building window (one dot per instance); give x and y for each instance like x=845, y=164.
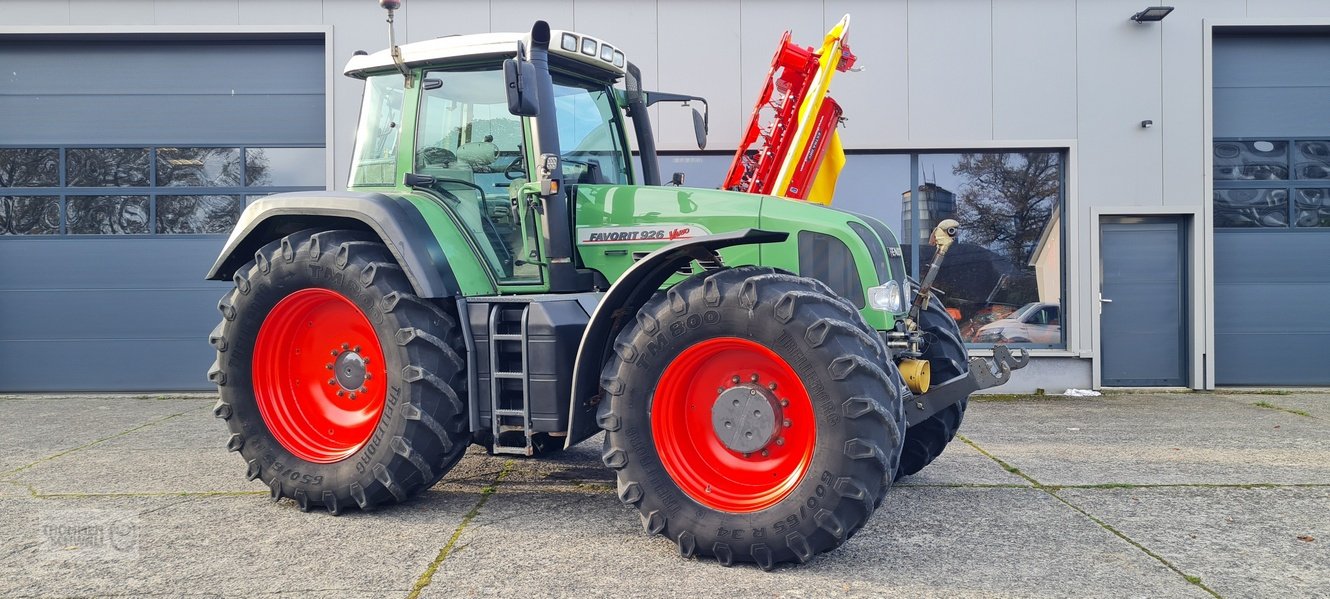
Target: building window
x=1003, y=280
x=145, y=190
x=1272, y=183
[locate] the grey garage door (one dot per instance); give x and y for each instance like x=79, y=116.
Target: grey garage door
x=123, y=165
x=1271, y=212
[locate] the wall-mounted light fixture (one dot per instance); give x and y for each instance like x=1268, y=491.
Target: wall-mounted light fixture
x=1152, y=14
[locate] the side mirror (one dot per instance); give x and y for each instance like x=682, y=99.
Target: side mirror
x=700, y=129
x=517, y=77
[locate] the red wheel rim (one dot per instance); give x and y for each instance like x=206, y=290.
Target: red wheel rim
x=319, y=376
x=700, y=462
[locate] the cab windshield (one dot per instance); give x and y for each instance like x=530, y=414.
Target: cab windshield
x=475, y=149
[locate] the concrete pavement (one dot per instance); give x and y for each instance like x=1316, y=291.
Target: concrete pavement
x=1170, y=495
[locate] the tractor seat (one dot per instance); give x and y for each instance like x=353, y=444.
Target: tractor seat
x=479, y=155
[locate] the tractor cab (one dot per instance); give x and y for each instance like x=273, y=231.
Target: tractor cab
x=468, y=147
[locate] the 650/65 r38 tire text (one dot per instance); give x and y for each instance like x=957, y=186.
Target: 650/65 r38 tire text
x=339, y=386
x=751, y=415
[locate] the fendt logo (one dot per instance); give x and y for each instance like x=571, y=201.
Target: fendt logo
x=639, y=234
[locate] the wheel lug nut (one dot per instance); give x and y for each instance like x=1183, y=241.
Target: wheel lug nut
x=772, y=386
x=779, y=440
x=784, y=403
x=720, y=389
x=328, y=366
x=353, y=396
x=334, y=352
x=735, y=379
x=765, y=453
x=357, y=349
x=753, y=378
x=346, y=346
x=340, y=393
x=785, y=423
x=332, y=382
x=368, y=376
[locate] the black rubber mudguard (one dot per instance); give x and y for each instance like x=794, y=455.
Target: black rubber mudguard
x=397, y=223
x=620, y=305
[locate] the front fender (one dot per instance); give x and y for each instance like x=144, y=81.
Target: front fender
x=396, y=222
x=621, y=303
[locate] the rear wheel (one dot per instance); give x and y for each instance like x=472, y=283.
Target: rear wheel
x=947, y=359
x=339, y=386
x=751, y=416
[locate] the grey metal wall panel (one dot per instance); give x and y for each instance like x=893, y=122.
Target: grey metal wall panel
x=106, y=314
x=102, y=365
x=1118, y=86
x=1270, y=325
x=106, y=262
x=951, y=71
x=139, y=314
x=120, y=12
x=1273, y=86
x=1182, y=127
x=1034, y=78
x=876, y=101
x=163, y=92
x=706, y=67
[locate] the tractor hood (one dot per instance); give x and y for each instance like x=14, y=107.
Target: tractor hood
x=616, y=225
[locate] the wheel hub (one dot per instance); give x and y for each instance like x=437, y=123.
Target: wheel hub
x=745, y=418
x=350, y=370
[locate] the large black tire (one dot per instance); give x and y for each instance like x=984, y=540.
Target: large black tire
x=855, y=396
x=421, y=431
x=947, y=359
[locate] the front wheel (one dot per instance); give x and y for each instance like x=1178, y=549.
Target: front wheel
x=751, y=416
x=338, y=385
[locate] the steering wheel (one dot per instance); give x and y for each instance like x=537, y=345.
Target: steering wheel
x=515, y=169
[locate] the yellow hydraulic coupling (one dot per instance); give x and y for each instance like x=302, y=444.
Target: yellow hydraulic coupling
x=916, y=373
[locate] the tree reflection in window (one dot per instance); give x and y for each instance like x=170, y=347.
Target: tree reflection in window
x=197, y=214
x=198, y=167
x=107, y=215
x=29, y=215
x=106, y=167
x=29, y=167
x=1009, y=252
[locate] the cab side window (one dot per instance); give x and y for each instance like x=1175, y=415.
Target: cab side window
x=468, y=141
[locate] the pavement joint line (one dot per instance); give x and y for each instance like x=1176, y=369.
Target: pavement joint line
x=97, y=442
x=1052, y=492
x=427, y=576
x=1269, y=406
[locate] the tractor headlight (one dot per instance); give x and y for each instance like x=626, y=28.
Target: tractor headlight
x=887, y=297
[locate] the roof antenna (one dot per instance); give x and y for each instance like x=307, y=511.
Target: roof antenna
x=390, y=6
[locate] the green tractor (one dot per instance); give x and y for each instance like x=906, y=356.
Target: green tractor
x=501, y=272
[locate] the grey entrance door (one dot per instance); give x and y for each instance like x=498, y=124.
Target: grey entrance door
x=1143, y=322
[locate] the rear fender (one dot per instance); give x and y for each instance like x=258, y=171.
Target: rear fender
x=395, y=221
x=620, y=304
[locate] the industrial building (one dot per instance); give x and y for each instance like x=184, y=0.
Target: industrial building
x=1143, y=192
